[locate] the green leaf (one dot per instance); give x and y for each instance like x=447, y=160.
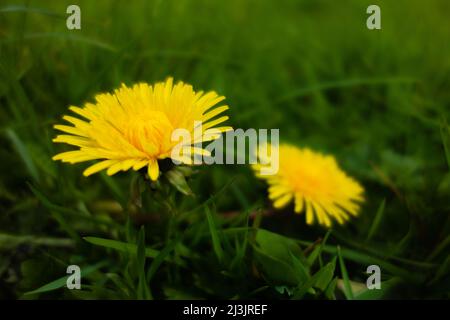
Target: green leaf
x=443, y=271
x=22, y=8
x=306, y=287
x=318, y=250
x=445, y=136
x=376, y=220
x=348, y=292
x=121, y=246
x=329, y=291
x=24, y=153
x=280, y=258
x=241, y=250
x=120, y=283
x=276, y=271
x=9, y=242
x=178, y=180
x=130, y=233
x=57, y=213
x=300, y=292
x=140, y=253
x=377, y=294
x=301, y=268
x=439, y=248
x=325, y=275
x=214, y=235
x=366, y=259
x=143, y=291
x=277, y=245
x=284, y=289
x=61, y=282
x=159, y=259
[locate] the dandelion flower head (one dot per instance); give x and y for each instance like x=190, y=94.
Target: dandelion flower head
x=316, y=185
x=132, y=127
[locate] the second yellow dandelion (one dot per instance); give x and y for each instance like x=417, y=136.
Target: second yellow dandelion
x=315, y=183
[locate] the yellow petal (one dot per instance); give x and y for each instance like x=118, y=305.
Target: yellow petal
x=127, y=164
x=99, y=166
x=74, y=156
x=153, y=170
x=68, y=129
x=140, y=164
x=281, y=202
x=211, y=114
x=114, y=168
x=309, y=213
x=82, y=112
x=277, y=191
x=215, y=122
x=323, y=216
x=73, y=140
x=298, y=204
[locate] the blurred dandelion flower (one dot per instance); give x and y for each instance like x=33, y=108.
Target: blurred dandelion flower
x=132, y=127
x=316, y=184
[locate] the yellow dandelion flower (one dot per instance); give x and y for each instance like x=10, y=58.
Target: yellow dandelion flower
x=132, y=127
x=316, y=184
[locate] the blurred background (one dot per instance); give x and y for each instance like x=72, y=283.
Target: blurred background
x=378, y=100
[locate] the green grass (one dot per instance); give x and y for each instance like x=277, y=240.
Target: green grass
x=377, y=100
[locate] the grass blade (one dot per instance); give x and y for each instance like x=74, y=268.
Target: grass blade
x=445, y=136
x=9, y=242
x=377, y=220
x=159, y=259
x=22, y=150
x=57, y=213
x=347, y=286
x=61, y=282
x=120, y=246
x=318, y=250
x=143, y=291
x=214, y=235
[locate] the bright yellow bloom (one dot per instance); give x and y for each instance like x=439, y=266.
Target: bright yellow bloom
x=316, y=184
x=132, y=127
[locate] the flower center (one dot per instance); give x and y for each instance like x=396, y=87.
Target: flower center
x=150, y=132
